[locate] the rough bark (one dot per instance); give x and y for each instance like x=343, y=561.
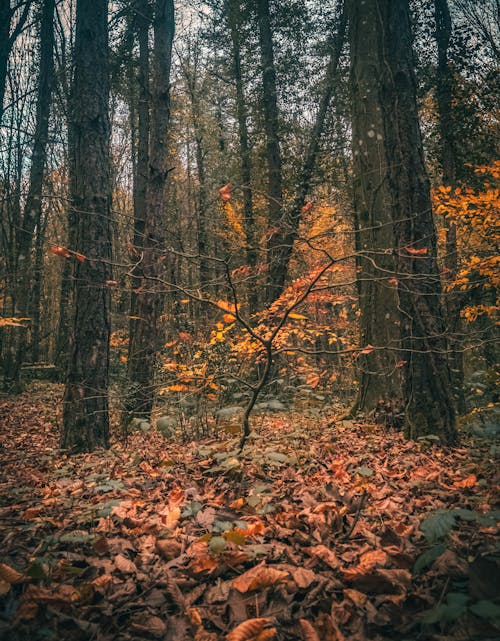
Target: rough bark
x=379, y=376
x=32, y=215
x=86, y=419
x=448, y=164
x=148, y=338
x=427, y=386
x=275, y=273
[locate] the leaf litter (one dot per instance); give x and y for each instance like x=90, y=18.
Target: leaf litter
x=322, y=530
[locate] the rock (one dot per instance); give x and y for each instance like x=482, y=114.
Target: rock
x=228, y=413
x=484, y=423
x=273, y=405
x=145, y=426
x=166, y=425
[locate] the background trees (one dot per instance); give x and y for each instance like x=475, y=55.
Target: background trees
x=245, y=155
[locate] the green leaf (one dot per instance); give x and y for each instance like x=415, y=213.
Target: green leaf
x=428, y=557
x=437, y=525
x=485, y=610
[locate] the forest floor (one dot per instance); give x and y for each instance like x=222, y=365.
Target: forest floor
x=323, y=530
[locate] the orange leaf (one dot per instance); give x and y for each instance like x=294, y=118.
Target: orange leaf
x=470, y=481
x=60, y=251
x=81, y=259
x=308, y=631
x=228, y=318
x=9, y=575
x=307, y=207
x=225, y=192
x=259, y=577
x=417, y=252
x=248, y=629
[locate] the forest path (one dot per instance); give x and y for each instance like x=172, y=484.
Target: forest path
x=341, y=524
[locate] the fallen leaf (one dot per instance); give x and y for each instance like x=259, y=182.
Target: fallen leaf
x=259, y=577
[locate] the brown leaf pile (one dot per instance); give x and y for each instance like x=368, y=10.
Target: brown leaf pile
x=311, y=535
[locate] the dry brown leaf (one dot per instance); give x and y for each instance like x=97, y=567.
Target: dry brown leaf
x=248, y=629
x=103, y=583
x=9, y=575
x=168, y=548
x=258, y=578
x=126, y=566
x=308, y=632
x=303, y=577
x=325, y=554
x=150, y=625
x=358, y=598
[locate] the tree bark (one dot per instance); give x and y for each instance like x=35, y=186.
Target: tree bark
x=379, y=376
x=149, y=334
x=32, y=216
x=448, y=164
x=86, y=419
x=427, y=386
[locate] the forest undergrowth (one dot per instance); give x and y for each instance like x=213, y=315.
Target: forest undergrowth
x=322, y=530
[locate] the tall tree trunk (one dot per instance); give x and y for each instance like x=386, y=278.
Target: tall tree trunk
x=32, y=217
x=86, y=418
x=275, y=274
x=427, y=386
x=8, y=37
x=149, y=334
x=141, y=174
x=379, y=376
x=233, y=19
x=448, y=164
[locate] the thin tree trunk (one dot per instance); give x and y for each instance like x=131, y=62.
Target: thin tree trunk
x=149, y=334
x=448, y=163
x=275, y=273
x=86, y=418
x=141, y=175
x=32, y=218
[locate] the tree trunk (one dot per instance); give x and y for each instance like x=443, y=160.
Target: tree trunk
x=86, y=419
x=148, y=338
x=448, y=164
x=275, y=273
x=233, y=18
x=32, y=218
x=7, y=40
x=427, y=387
x=379, y=376
x=141, y=174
